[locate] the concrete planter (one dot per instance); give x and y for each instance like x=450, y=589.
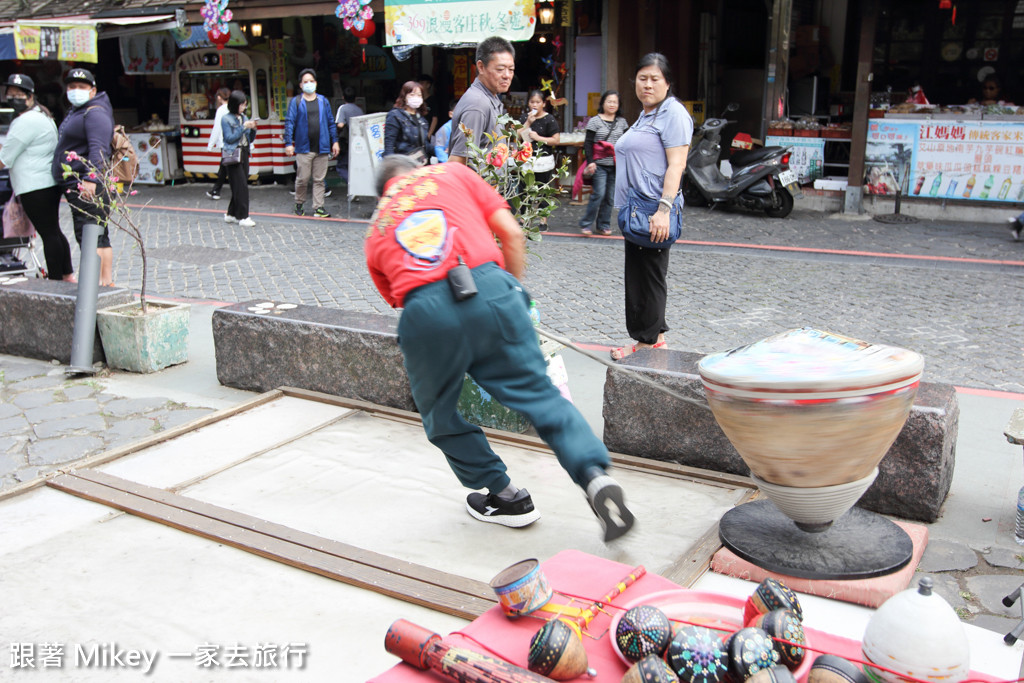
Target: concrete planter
x=144, y=343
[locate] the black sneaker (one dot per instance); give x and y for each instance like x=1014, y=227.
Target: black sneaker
x=299, y=211
x=609, y=504
x=517, y=512
x=213, y=194
x=321, y=213
x=11, y=264
x=1015, y=229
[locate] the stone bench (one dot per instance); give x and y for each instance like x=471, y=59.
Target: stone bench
x=37, y=318
x=913, y=479
x=336, y=352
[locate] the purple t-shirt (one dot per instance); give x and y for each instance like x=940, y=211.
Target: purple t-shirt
x=640, y=160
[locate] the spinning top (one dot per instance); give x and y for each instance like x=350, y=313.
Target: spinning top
x=556, y=652
x=650, y=669
x=774, y=674
x=771, y=594
x=918, y=634
x=643, y=630
x=697, y=655
x=783, y=625
x=834, y=669
x=750, y=650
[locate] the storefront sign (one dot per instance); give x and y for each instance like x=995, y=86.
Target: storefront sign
x=428, y=22
x=807, y=154
x=460, y=74
x=148, y=53
x=887, y=156
x=976, y=160
x=278, y=78
x=66, y=43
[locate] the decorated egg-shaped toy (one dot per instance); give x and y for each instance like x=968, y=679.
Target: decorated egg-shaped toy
x=697, y=655
x=787, y=634
x=643, y=630
x=773, y=674
x=771, y=594
x=835, y=669
x=918, y=634
x=556, y=652
x=750, y=650
x=650, y=669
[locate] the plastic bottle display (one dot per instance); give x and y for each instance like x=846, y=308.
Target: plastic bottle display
x=951, y=188
x=989, y=182
x=919, y=184
x=969, y=187
x=1004, y=191
x=934, y=191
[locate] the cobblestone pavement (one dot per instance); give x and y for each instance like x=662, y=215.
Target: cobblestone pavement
x=953, y=292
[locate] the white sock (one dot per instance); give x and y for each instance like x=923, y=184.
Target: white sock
x=509, y=492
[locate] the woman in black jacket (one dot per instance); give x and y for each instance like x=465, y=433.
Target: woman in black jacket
x=405, y=128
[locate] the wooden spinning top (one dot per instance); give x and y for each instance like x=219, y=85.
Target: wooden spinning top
x=643, y=630
x=650, y=669
x=697, y=655
x=774, y=674
x=750, y=650
x=784, y=625
x=771, y=594
x=556, y=652
x=835, y=669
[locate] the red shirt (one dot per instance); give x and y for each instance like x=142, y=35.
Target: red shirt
x=429, y=218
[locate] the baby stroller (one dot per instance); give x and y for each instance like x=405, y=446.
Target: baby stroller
x=17, y=254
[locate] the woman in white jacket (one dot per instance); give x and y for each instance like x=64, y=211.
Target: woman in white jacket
x=217, y=141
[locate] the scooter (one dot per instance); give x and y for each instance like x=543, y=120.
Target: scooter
x=761, y=178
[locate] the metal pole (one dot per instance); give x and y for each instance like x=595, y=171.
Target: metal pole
x=84, y=335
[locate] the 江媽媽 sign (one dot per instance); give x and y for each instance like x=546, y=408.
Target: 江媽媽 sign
x=447, y=22
x=66, y=43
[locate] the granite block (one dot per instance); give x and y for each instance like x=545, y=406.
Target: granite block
x=913, y=480
x=39, y=318
x=355, y=355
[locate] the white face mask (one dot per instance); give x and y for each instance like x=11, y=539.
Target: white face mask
x=77, y=97
x=413, y=102
x=309, y=87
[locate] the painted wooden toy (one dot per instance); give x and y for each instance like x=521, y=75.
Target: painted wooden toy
x=750, y=650
x=556, y=652
x=773, y=674
x=784, y=625
x=771, y=594
x=650, y=669
x=697, y=655
x=916, y=633
x=835, y=669
x=643, y=630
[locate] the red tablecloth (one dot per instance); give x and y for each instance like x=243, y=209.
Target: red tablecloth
x=578, y=574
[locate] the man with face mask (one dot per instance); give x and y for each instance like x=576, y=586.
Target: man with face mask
x=310, y=135
x=479, y=108
x=86, y=130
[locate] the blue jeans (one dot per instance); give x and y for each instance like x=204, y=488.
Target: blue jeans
x=601, y=199
x=490, y=336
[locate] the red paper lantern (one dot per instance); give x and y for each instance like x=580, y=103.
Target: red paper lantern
x=365, y=32
x=219, y=39
x=945, y=4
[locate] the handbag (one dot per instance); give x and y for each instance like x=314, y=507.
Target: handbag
x=635, y=220
x=230, y=158
x=16, y=222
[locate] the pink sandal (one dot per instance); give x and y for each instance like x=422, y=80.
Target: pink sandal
x=619, y=353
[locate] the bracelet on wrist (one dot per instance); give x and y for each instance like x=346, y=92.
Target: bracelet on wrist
x=667, y=203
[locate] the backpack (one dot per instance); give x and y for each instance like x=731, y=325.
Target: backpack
x=124, y=162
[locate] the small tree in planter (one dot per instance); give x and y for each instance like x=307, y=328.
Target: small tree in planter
x=508, y=168
x=137, y=337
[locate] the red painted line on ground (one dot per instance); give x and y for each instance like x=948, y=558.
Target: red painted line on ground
x=990, y=393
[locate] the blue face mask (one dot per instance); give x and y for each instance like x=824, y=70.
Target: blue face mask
x=309, y=88
x=77, y=97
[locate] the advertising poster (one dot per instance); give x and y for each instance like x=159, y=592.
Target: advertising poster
x=150, y=151
x=365, y=150
x=429, y=22
x=278, y=78
x=887, y=155
x=808, y=154
x=976, y=160
x=68, y=43
x=148, y=53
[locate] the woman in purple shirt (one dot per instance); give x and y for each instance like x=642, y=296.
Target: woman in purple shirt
x=649, y=160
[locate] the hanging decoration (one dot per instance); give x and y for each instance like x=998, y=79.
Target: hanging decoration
x=216, y=16
x=557, y=43
x=364, y=33
x=357, y=16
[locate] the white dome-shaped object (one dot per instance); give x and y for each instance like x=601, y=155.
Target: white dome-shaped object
x=917, y=633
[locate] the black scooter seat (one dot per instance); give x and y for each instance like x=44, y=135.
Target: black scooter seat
x=746, y=157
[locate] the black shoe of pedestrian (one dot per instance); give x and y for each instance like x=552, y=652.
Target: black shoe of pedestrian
x=212, y=194
x=1015, y=229
x=299, y=211
x=321, y=213
x=517, y=512
x=609, y=504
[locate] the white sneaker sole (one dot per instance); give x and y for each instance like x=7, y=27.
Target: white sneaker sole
x=514, y=521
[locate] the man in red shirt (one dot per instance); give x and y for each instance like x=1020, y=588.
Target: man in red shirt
x=430, y=220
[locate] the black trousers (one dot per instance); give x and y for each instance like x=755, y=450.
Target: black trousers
x=646, y=292
x=238, y=180
x=222, y=176
x=83, y=212
x=43, y=208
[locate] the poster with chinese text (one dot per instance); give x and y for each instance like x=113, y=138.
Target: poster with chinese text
x=449, y=22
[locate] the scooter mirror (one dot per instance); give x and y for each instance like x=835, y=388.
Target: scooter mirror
x=731, y=107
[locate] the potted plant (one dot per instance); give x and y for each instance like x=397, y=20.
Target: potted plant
x=142, y=336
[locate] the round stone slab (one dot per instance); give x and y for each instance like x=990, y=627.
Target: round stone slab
x=859, y=545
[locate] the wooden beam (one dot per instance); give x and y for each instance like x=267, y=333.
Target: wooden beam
x=861, y=105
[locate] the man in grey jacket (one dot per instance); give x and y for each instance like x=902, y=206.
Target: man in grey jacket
x=479, y=108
